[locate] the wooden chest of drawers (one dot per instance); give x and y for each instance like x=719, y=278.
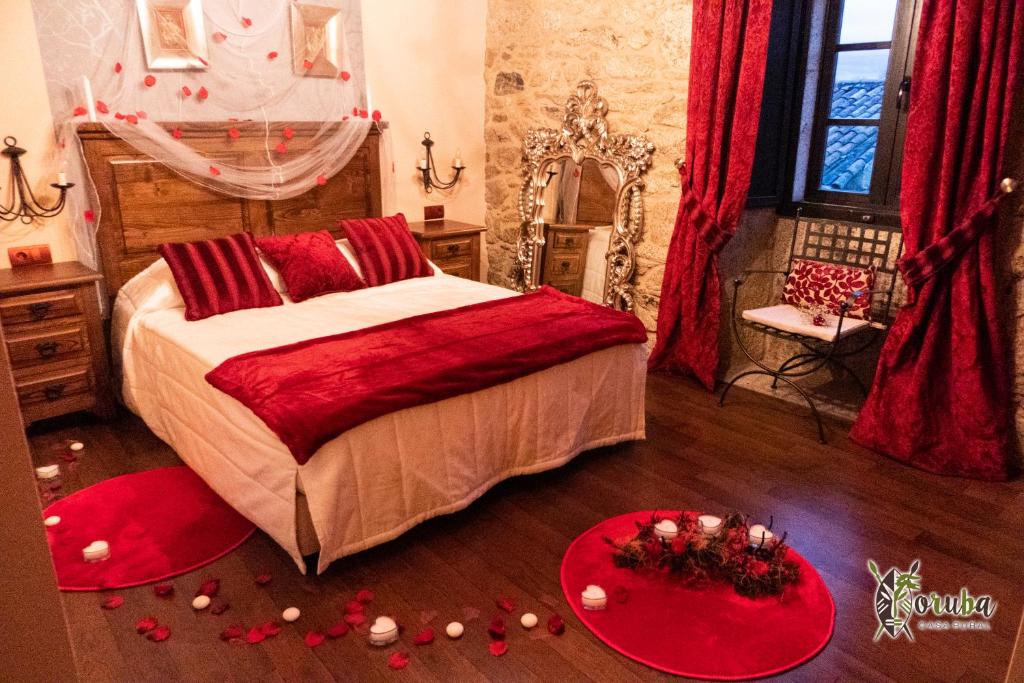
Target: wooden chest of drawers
x=453, y=246
x=565, y=257
x=54, y=338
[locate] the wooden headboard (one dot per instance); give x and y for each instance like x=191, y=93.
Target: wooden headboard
x=145, y=204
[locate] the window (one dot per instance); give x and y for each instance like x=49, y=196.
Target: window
x=860, y=109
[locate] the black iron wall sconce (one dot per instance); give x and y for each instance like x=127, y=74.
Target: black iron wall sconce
x=24, y=205
x=429, y=170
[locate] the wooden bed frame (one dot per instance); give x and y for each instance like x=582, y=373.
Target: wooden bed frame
x=144, y=204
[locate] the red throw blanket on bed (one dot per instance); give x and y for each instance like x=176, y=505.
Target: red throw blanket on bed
x=312, y=391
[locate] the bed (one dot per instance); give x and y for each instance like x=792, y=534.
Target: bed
x=374, y=481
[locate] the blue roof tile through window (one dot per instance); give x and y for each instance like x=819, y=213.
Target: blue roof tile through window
x=850, y=150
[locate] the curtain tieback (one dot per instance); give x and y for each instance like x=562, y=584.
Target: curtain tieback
x=706, y=226
x=922, y=265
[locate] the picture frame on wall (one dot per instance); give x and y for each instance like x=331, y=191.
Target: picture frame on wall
x=318, y=40
x=173, y=35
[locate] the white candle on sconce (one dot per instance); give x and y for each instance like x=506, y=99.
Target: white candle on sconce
x=422, y=164
x=62, y=178
x=666, y=529
x=759, y=534
x=710, y=525
x=457, y=161
x=90, y=103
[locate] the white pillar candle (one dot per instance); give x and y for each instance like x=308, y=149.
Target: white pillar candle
x=47, y=472
x=97, y=551
x=594, y=598
x=759, y=533
x=666, y=529
x=383, y=631
x=90, y=103
x=710, y=525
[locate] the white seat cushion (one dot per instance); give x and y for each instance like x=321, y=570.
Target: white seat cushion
x=790, y=319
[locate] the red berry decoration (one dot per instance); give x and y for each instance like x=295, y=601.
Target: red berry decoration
x=149, y=80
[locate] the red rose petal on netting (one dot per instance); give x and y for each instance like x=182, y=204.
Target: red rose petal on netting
x=497, y=628
x=234, y=133
x=141, y=114
x=232, y=632
x=159, y=634
x=344, y=118
x=149, y=80
x=424, y=637
x=117, y=67
x=163, y=590
x=255, y=636
x=176, y=133
x=376, y=116
x=355, y=619
x=363, y=114
x=344, y=75
x=263, y=579
x=399, y=660
x=306, y=64
x=498, y=647
x=218, y=37
x=246, y=22
x=272, y=54
x=338, y=630
x=555, y=625
x=119, y=116
x=102, y=107
x=270, y=628
x=89, y=215
x=281, y=148
x=80, y=111
x=214, y=170
x=321, y=179
x=146, y=625
x=620, y=594
x=186, y=91
x=507, y=604
x=112, y=602
x=220, y=607
x=203, y=93
x=314, y=639
x=354, y=607
x=132, y=118
x=288, y=132
x=355, y=111
x=210, y=587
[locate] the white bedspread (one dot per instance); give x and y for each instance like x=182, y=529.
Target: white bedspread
x=377, y=480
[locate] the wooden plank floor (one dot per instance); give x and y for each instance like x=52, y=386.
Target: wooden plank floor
x=840, y=504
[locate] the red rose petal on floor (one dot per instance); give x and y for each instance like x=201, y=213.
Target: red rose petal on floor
x=89, y=215
x=620, y=594
x=232, y=632
x=132, y=118
x=354, y=607
x=176, y=133
x=203, y=93
x=218, y=37
x=117, y=67
x=149, y=80
x=112, y=602
x=376, y=116
x=220, y=607
x=159, y=634
x=497, y=628
x=214, y=170
x=246, y=22
x=498, y=647
x=338, y=630
x=162, y=590
x=355, y=619
x=186, y=91
x=314, y=639
x=424, y=637
x=263, y=579
x=306, y=64
x=399, y=660
x=255, y=635
x=210, y=587
x=344, y=75
x=102, y=107
x=272, y=54
x=281, y=148
x=555, y=625
x=321, y=180
x=80, y=111
x=270, y=628
x=146, y=625
x=507, y=604
x=234, y=133
x=288, y=132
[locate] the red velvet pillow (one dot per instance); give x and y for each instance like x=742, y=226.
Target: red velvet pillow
x=219, y=275
x=386, y=250
x=812, y=284
x=310, y=264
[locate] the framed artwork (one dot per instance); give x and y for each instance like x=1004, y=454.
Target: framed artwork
x=172, y=34
x=318, y=39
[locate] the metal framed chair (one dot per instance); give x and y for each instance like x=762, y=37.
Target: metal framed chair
x=834, y=242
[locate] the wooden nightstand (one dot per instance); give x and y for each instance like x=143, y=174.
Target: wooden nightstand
x=453, y=246
x=565, y=257
x=54, y=334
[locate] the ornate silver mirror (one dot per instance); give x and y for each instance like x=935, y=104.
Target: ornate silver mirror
x=581, y=205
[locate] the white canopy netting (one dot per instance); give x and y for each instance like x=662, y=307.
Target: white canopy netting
x=135, y=65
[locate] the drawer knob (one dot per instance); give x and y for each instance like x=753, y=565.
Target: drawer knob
x=52, y=392
x=39, y=309
x=570, y=242
x=565, y=266
x=453, y=249
x=46, y=349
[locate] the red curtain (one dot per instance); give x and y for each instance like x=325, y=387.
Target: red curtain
x=941, y=399
x=727, y=63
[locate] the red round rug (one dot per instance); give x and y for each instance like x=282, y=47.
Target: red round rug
x=158, y=523
x=701, y=632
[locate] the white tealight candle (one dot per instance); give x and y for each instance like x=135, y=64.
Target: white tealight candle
x=710, y=525
x=666, y=529
x=290, y=614
x=76, y=446
x=594, y=598
x=759, y=534
x=97, y=551
x=383, y=631
x=528, y=620
x=52, y=520
x=454, y=630
x=47, y=472
x=201, y=602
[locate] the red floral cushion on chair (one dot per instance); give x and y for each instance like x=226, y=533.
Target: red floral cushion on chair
x=812, y=284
